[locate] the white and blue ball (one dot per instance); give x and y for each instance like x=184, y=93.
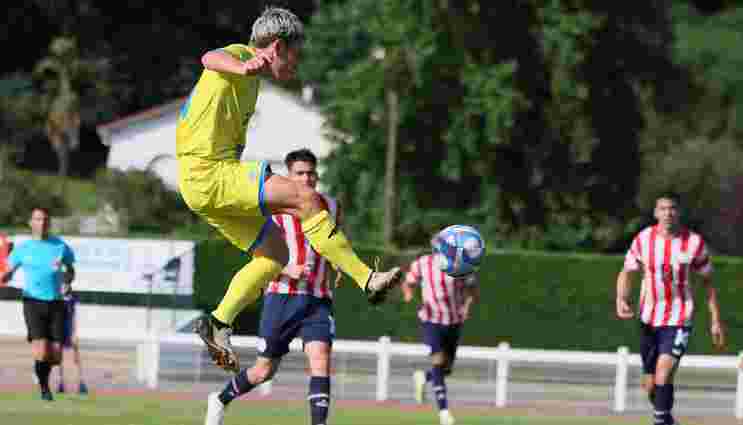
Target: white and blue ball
x=458, y=250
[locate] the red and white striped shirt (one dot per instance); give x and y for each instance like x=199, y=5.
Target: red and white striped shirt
x=311, y=269
x=443, y=295
x=666, y=297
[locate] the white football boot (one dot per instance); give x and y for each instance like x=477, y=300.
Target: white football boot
x=445, y=418
x=214, y=410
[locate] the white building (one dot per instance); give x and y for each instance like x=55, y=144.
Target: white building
x=282, y=122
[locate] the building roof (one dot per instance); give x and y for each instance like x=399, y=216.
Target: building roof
x=105, y=129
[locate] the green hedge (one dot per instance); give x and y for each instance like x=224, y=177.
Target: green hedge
x=530, y=299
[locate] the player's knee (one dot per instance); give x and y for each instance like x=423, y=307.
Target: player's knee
x=308, y=203
x=261, y=373
x=42, y=353
x=438, y=360
x=319, y=364
x=665, y=369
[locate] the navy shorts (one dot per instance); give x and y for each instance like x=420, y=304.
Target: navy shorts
x=285, y=317
x=68, y=328
x=70, y=309
x=441, y=338
x=654, y=341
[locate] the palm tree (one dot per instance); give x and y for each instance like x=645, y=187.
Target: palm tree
x=62, y=72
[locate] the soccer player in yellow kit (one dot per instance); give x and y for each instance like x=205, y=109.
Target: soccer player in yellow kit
x=238, y=198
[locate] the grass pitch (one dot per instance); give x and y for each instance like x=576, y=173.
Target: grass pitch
x=24, y=408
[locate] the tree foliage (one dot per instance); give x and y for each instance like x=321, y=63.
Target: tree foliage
x=519, y=116
x=548, y=123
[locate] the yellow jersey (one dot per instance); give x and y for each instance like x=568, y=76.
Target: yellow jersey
x=212, y=122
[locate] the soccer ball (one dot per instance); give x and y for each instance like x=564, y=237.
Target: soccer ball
x=458, y=250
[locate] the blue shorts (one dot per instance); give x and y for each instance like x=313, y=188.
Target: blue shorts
x=441, y=338
x=654, y=341
x=285, y=317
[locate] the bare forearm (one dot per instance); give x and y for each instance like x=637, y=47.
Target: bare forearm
x=469, y=301
x=407, y=292
x=712, y=303
x=472, y=296
x=624, y=286
x=221, y=61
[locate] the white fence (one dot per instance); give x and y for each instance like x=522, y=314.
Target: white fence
x=148, y=362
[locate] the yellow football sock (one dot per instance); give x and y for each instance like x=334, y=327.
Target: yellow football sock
x=330, y=242
x=245, y=287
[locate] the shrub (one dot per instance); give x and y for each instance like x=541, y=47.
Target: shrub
x=20, y=191
x=147, y=204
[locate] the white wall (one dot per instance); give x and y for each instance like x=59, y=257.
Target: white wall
x=97, y=319
x=280, y=124
x=137, y=145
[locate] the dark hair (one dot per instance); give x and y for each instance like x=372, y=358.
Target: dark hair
x=673, y=196
x=304, y=155
x=37, y=208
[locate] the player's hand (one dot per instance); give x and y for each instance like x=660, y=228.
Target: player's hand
x=294, y=271
x=624, y=311
x=717, y=331
x=464, y=312
x=257, y=63
x=338, y=278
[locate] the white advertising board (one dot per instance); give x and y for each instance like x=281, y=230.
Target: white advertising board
x=137, y=266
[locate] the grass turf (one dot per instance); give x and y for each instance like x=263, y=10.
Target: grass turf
x=25, y=408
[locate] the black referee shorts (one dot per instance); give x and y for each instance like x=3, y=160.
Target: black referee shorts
x=44, y=319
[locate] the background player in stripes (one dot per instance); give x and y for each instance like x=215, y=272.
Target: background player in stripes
x=298, y=303
x=666, y=254
x=446, y=304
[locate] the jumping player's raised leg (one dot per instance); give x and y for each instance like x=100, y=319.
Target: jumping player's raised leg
x=244, y=289
x=284, y=196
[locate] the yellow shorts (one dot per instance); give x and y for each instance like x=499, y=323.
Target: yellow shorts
x=229, y=196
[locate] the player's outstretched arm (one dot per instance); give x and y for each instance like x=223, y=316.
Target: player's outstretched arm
x=219, y=60
x=471, y=297
x=411, y=282
x=407, y=292
x=624, y=289
x=716, y=329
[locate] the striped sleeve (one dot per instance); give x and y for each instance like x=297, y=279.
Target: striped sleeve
x=633, y=258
